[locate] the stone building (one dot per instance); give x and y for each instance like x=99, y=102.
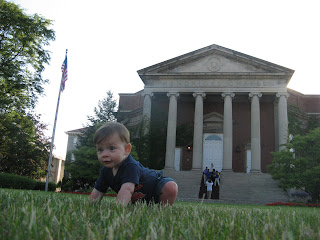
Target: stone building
x=233, y=109
x=73, y=140
x=236, y=105
x=56, y=169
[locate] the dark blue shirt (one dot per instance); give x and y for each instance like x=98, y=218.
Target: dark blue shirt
x=129, y=171
x=208, y=174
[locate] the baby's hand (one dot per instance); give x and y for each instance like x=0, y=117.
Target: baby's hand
x=137, y=195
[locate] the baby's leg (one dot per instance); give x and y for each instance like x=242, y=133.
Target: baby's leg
x=169, y=193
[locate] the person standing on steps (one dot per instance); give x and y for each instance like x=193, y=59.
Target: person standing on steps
x=216, y=180
x=209, y=184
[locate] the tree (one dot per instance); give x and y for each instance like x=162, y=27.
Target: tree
x=23, y=147
x=299, y=168
x=105, y=110
x=22, y=56
x=86, y=167
x=299, y=122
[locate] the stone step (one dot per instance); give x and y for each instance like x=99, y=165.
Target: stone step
x=253, y=188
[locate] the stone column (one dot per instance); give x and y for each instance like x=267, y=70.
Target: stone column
x=282, y=119
x=255, y=133
x=171, y=130
x=146, y=115
x=197, y=157
x=227, y=131
x=276, y=124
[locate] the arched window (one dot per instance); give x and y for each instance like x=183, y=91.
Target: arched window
x=214, y=137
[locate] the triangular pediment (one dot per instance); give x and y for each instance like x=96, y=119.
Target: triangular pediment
x=213, y=60
x=213, y=117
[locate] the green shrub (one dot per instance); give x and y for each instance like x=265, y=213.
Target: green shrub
x=42, y=185
x=8, y=180
x=67, y=186
x=17, y=182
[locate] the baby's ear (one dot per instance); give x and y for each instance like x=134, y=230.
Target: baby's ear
x=128, y=148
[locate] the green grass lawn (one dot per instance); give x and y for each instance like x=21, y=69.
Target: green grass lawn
x=49, y=215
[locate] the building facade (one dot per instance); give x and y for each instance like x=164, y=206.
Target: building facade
x=56, y=169
x=235, y=104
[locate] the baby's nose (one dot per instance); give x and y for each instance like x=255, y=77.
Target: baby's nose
x=105, y=153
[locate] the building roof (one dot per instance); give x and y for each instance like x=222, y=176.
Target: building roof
x=76, y=131
x=212, y=62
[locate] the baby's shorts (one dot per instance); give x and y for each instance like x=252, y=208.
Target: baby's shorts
x=162, y=181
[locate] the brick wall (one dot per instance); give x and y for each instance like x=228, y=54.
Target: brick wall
x=130, y=102
x=267, y=134
x=306, y=103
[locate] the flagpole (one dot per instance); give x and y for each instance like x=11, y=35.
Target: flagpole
x=53, y=133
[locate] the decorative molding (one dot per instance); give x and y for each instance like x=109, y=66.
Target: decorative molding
x=227, y=94
x=255, y=94
x=147, y=93
x=218, y=83
x=213, y=64
x=228, y=76
x=176, y=94
x=217, y=54
x=202, y=94
x=285, y=94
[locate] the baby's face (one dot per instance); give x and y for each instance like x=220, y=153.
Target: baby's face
x=112, y=151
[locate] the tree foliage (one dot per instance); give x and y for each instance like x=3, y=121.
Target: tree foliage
x=299, y=122
x=151, y=147
x=105, y=110
x=299, y=164
x=23, y=146
x=22, y=56
x=86, y=168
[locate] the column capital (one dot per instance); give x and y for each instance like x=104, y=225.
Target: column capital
x=195, y=94
x=146, y=94
x=176, y=94
x=285, y=94
x=227, y=94
x=255, y=94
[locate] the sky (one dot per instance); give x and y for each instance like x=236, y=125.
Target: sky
x=109, y=41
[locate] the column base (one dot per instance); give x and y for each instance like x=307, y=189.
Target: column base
x=255, y=171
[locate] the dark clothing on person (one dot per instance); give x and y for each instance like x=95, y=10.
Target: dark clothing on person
x=203, y=188
x=208, y=174
x=149, y=183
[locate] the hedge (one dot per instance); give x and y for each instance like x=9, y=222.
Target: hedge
x=41, y=186
x=8, y=180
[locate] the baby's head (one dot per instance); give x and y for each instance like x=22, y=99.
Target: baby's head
x=109, y=129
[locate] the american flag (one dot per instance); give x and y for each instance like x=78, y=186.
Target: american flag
x=64, y=69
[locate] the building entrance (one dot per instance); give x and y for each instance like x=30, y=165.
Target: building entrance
x=212, y=151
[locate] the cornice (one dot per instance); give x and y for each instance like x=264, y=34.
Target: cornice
x=213, y=76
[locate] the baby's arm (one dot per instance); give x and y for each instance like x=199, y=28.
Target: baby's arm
x=96, y=195
x=125, y=193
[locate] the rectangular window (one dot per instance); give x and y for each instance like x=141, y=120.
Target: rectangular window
x=72, y=157
x=75, y=140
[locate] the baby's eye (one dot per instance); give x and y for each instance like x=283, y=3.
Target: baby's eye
x=112, y=148
x=99, y=149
